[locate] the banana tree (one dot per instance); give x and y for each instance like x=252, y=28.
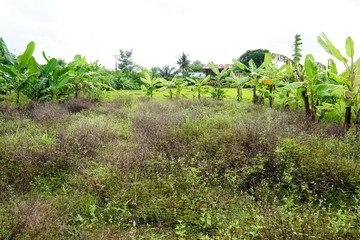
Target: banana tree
x=350, y=77
x=272, y=76
x=78, y=73
x=50, y=82
x=254, y=75
x=17, y=69
x=313, y=87
x=174, y=83
x=220, y=79
x=199, y=86
x=317, y=86
x=150, y=83
x=239, y=83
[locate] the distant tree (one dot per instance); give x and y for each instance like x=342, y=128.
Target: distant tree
x=184, y=63
x=256, y=55
x=125, y=62
x=197, y=66
x=167, y=72
x=154, y=72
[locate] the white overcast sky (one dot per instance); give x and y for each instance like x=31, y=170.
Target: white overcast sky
x=158, y=31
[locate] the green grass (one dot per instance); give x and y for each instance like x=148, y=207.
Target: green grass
x=230, y=94
x=135, y=168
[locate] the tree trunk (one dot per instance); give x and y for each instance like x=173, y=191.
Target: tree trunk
x=271, y=99
x=306, y=103
x=255, y=97
x=347, y=118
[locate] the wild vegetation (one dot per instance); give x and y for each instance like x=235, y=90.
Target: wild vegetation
x=77, y=164
x=183, y=169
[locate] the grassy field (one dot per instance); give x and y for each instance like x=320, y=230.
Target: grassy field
x=230, y=94
x=140, y=168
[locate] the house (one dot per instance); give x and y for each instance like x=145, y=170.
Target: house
x=221, y=67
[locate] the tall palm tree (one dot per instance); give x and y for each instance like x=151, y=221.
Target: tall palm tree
x=184, y=63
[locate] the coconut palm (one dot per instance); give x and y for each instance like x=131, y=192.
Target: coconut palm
x=184, y=63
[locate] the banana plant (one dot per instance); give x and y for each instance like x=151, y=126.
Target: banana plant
x=317, y=86
x=272, y=76
x=220, y=79
x=150, y=83
x=174, y=83
x=17, y=69
x=239, y=83
x=350, y=77
x=199, y=86
x=50, y=82
x=312, y=86
x=78, y=74
x=254, y=75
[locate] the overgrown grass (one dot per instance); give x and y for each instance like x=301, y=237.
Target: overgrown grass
x=135, y=168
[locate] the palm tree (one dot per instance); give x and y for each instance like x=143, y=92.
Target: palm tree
x=167, y=72
x=184, y=63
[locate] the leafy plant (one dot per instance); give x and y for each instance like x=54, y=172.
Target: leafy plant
x=220, y=78
x=199, y=86
x=350, y=77
x=17, y=68
x=239, y=82
x=150, y=84
x=174, y=83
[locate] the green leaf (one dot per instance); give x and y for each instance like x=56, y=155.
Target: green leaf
x=33, y=66
x=350, y=47
x=6, y=52
x=357, y=76
x=267, y=58
x=44, y=55
x=336, y=77
x=252, y=65
x=294, y=85
x=50, y=66
x=62, y=81
x=25, y=57
x=325, y=42
x=214, y=68
x=332, y=66
x=310, y=67
x=7, y=70
x=240, y=65
x=325, y=89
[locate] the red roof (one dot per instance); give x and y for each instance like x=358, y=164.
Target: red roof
x=219, y=66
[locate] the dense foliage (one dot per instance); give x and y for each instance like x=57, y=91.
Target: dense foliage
x=256, y=55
